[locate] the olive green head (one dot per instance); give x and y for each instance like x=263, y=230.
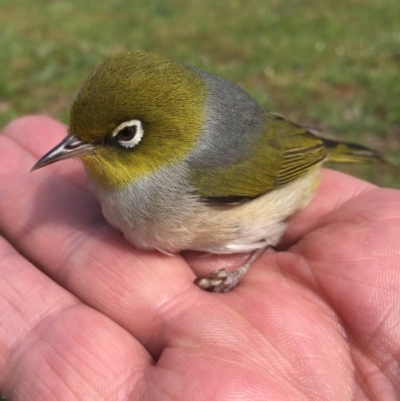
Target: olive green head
x=135, y=113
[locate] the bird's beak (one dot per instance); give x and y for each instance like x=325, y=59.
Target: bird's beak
x=69, y=147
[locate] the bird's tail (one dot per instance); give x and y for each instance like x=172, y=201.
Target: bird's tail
x=344, y=152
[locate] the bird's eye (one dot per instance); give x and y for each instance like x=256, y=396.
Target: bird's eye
x=129, y=133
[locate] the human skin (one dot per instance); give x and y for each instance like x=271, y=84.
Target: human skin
x=84, y=315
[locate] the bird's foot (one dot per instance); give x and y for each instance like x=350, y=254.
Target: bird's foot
x=218, y=281
x=222, y=280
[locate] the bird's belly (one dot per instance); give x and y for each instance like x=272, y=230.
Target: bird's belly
x=172, y=225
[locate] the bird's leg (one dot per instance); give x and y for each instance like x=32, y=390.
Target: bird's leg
x=222, y=280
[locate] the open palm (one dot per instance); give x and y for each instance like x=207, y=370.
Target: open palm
x=83, y=315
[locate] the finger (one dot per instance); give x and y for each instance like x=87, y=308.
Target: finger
x=334, y=190
x=60, y=228
x=25, y=140
x=354, y=259
x=54, y=347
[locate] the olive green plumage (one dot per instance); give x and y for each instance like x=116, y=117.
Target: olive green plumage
x=170, y=99
x=154, y=91
x=181, y=159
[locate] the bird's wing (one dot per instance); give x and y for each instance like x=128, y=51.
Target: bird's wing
x=283, y=153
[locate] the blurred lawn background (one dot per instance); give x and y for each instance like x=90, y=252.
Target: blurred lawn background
x=333, y=64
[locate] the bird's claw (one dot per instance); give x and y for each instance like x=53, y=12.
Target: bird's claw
x=217, y=281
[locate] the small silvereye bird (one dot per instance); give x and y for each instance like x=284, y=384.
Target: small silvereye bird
x=181, y=159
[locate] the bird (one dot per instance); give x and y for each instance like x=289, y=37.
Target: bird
x=180, y=159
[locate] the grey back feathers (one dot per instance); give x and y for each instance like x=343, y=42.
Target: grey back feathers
x=233, y=123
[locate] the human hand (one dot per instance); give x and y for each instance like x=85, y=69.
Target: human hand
x=83, y=315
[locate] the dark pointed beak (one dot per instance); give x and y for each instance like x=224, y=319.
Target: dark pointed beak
x=69, y=147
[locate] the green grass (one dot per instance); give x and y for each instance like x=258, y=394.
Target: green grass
x=332, y=64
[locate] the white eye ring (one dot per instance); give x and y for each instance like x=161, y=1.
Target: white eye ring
x=136, y=135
